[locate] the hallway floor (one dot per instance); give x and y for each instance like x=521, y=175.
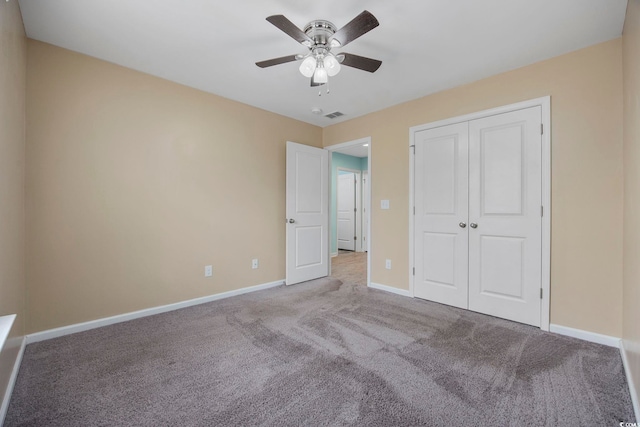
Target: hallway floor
x=350, y=267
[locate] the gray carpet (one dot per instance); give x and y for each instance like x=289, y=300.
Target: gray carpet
x=319, y=353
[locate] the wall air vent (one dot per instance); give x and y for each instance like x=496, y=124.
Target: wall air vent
x=334, y=114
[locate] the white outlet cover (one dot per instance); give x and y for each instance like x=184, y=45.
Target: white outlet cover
x=387, y=264
x=384, y=204
x=208, y=271
x=254, y=263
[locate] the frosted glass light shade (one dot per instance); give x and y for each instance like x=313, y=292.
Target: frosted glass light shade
x=320, y=76
x=308, y=66
x=332, y=65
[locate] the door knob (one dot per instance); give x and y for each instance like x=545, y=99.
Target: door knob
x=462, y=224
x=473, y=225
x=291, y=221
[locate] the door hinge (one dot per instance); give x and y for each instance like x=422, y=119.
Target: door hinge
x=414, y=271
x=355, y=209
x=541, y=210
x=540, y=293
x=355, y=237
x=414, y=210
x=541, y=128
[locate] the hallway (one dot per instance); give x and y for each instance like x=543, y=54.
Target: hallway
x=350, y=267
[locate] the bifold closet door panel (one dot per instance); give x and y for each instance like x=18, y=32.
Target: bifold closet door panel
x=441, y=202
x=505, y=198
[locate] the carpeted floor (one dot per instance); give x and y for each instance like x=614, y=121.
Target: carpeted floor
x=319, y=353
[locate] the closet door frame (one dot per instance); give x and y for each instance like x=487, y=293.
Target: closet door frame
x=545, y=104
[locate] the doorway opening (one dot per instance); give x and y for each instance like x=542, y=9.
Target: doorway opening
x=349, y=204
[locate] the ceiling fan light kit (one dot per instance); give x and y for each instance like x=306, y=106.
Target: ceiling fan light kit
x=332, y=65
x=320, y=37
x=320, y=76
x=308, y=66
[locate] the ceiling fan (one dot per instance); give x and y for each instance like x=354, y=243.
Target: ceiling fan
x=320, y=37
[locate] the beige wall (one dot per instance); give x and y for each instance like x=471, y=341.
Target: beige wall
x=631, y=73
x=134, y=184
x=586, y=103
x=13, y=61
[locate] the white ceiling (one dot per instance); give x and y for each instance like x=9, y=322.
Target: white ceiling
x=354, y=150
x=425, y=45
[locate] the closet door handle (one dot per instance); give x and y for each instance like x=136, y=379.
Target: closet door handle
x=462, y=224
x=473, y=225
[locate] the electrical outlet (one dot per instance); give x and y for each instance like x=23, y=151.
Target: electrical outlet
x=208, y=270
x=254, y=263
x=384, y=204
x=387, y=264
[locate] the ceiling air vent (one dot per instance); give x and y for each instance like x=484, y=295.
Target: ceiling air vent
x=334, y=114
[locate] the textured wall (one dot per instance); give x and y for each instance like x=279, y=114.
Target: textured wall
x=134, y=184
x=13, y=62
x=586, y=117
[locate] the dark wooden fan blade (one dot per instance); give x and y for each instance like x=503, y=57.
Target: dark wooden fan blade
x=360, y=62
x=289, y=28
x=358, y=26
x=276, y=61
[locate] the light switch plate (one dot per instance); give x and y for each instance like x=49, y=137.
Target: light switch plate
x=384, y=204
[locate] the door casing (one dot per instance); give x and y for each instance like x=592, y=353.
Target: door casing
x=545, y=104
x=365, y=211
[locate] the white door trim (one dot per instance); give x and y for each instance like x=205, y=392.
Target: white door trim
x=358, y=216
x=335, y=147
x=365, y=206
x=545, y=104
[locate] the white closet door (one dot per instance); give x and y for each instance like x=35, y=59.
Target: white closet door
x=441, y=234
x=346, y=214
x=505, y=203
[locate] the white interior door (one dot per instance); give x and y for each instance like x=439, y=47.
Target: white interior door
x=365, y=213
x=505, y=215
x=346, y=204
x=441, y=200
x=307, y=213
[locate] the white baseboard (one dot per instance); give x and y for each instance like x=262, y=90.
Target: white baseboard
x=12, y=382
x=397, y=291
x=334, y=254
x=585, y=335
x=630, y=380
x=98, y=323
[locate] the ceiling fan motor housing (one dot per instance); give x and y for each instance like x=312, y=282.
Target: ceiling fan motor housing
x=320, y=31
